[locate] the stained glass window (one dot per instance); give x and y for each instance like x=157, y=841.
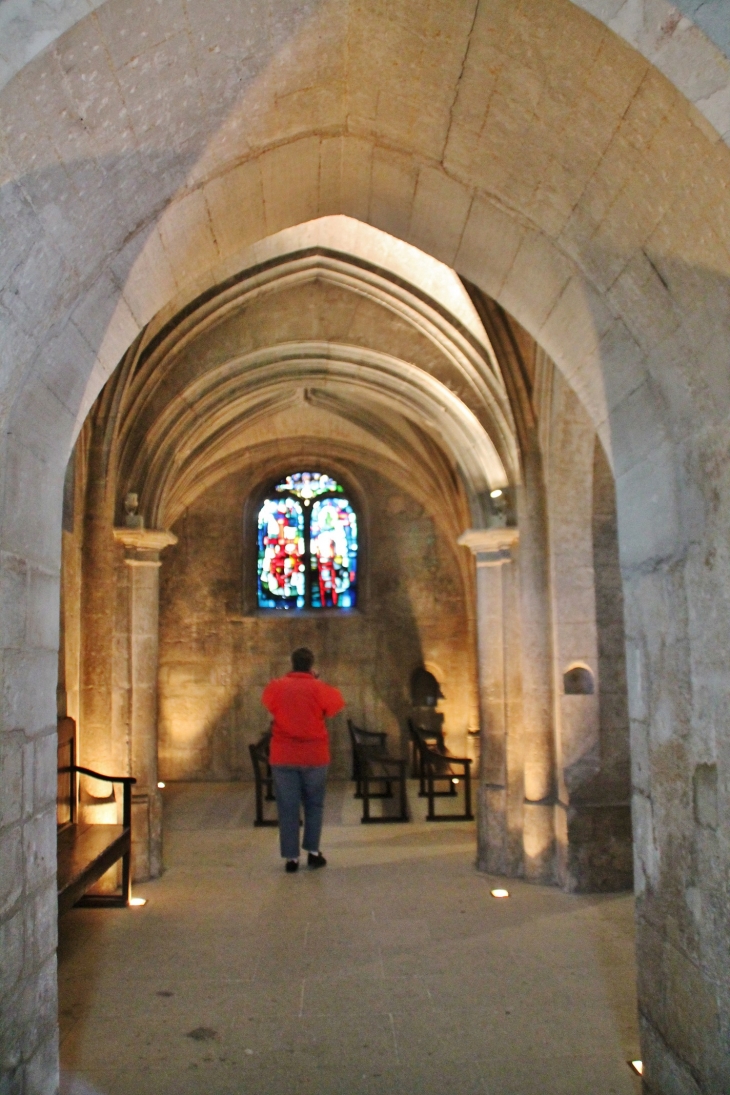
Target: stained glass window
x=333, y=553
x=308, y=484
x=281, y=554
x=307, y=545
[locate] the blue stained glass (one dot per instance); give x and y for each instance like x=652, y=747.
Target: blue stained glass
x=333, y=554
x=281, y=578
x=308, y=485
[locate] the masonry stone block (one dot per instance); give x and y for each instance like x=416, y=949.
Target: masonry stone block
x=17, y=349
x=142, y=270
x=187, y=237
x=38, y=1002
x=105, y=321
x=14, y=1019
x=435, y=193
x=652, y=531
x=34, y=535
x=488, y=230
x=55, y=423
x=45, y=782
x=11, y=862
x=11, y=765
x=539, y=273
x=39, y=849
x=12, y=948
x=393, y=188
x=25, y=674
x=42, y=1072
x=705, y=795
x=42, y=609
x=290, y=177
x=41, y=925
x=235, y=201
x=356, y=177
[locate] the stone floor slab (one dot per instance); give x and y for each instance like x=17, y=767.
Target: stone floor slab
x=393, y=970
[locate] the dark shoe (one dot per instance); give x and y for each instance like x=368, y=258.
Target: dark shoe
x=315, y=860
x=292, y=865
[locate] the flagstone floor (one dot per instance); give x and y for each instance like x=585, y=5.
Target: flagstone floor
x=390, y=972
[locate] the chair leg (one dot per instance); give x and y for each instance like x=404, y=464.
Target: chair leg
x=421, y=778
x=431, y=802
x=365, y=797
x=127, y=877
x=467, y=793
x=403, y=799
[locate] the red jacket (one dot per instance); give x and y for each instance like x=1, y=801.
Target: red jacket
x=300, y=703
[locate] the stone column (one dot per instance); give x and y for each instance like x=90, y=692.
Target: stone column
x=537, y=682
x=493, y=549
x=142, y=548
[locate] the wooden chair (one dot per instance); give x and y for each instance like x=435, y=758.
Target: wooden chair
x=433, y=734
x=86, y=852
x=377, y=741
x=373, y=764
x=263, y=778
x=438, y=765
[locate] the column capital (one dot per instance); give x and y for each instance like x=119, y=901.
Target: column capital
x=143, y=545
x=491, y=546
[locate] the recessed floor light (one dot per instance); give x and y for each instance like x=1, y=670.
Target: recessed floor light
x=160, y=784
x=637, y=1067
x=499, y=893
x=137, y=901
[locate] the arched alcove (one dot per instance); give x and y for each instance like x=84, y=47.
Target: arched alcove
x=609, y=246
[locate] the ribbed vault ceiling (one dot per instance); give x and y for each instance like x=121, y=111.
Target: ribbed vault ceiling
x=312, y=353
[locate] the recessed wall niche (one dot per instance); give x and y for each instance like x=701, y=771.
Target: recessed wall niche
x=578, y=681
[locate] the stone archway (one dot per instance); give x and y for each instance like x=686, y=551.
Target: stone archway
x=606, y=240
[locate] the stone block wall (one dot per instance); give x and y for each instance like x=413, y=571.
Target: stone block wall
x=215, y=659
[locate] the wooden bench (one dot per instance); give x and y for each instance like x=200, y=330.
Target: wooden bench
x=373, y=764
x=436, y=766
x=86, y=852
x=263, y=779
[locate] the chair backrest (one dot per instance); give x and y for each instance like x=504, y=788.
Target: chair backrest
x=259, y=751
x=372, y=741
x=426, y=738
x=427, y=743
x=66, y=787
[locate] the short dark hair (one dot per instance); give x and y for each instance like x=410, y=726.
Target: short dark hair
x=302, y=660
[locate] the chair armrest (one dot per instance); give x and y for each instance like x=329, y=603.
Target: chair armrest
x=455, y=760
x=97, y=775
x=381, y=735
x=394, y=762
x=127, y=782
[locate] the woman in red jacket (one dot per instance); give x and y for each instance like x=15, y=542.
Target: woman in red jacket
x=300, y=754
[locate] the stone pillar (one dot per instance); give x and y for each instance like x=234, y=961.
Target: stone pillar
x=498, y=656
x=537, y=682
x=142, y=548
x=96, y=748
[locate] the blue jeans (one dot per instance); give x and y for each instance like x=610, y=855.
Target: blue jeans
x=294, y=785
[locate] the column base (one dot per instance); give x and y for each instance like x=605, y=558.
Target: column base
x=146, y=835
x=594, y=847
x=538, y=841
x=492, y=829
x=499, y=837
